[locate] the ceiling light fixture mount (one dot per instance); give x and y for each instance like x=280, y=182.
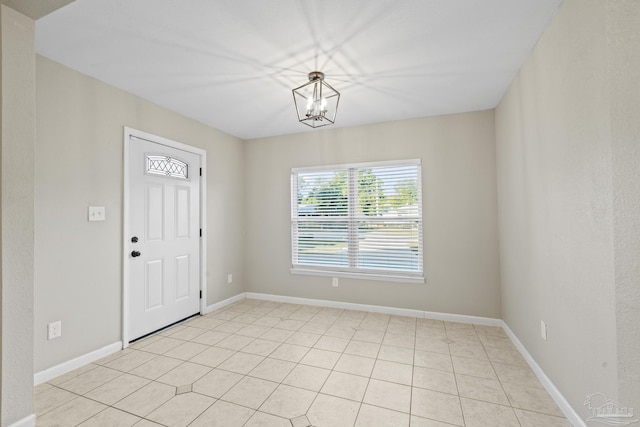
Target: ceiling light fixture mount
x=316, y=101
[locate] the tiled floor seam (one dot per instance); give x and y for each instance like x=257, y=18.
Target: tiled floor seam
x=230, y=316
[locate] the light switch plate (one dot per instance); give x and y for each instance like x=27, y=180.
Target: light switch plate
x=97, y=213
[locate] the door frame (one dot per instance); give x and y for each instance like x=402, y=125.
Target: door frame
x=128, y=133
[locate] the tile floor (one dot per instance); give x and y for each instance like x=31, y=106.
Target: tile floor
x=261, y=363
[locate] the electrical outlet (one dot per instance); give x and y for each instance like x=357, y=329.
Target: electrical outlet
x=543, y=330
x=96, y=213
x=334, y=282
x=229, y=278
x=54, y=329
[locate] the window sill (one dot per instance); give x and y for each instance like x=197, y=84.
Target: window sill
x=361, y=276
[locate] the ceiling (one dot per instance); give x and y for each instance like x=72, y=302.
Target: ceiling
x=231, y=64
x=35, y=9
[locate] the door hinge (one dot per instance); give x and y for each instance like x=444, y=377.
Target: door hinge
x=200, y=294
x=200, y=171
x=201, y=232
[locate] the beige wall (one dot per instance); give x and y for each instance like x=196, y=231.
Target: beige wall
x=17, y=140
x=567, y=149
x=459, y=206
x=79, y=159
x=624, y=65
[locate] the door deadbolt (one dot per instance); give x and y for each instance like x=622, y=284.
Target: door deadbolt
x=134, y=239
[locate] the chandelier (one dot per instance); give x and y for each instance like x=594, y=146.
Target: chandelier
x=316, y=101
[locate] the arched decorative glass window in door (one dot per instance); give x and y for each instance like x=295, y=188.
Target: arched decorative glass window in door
x=167, y=166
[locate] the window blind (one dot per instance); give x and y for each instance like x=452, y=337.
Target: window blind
x=361, y=219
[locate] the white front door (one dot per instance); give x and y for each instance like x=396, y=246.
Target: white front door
x=163, y=245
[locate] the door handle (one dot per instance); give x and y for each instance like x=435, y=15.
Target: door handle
x=135, y=254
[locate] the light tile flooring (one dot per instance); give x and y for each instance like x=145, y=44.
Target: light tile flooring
x=260, y=363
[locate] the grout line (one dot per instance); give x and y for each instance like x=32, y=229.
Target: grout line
x=339, y=319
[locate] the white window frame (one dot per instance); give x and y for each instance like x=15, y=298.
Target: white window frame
x=352, y=218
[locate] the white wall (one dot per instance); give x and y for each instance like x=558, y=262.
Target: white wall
x=459, y=207
x=79, y=160
x=17, y=140
x=568, y=156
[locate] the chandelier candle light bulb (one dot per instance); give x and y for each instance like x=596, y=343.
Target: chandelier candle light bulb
x=316, y=101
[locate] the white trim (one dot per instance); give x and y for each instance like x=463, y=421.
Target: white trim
x=223, y=303
x=350, y=275
x=337, y=304
x=29, y=421
x=568, y=411
x=78, y=362
x=134, y=133
x=125, y=239
x=487, y=321
x=405, y=162
x=463, y=318
x=203, y=227
x=350, y=228
x=566, y=408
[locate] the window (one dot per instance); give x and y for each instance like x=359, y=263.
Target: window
x=167, y=166
x=361, y=220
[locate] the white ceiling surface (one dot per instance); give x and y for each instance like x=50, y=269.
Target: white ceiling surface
x=231, y=64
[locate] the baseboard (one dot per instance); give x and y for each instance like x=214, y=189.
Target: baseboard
x=553, y=391
x=555, y=394
x=220, y=304
x=475, y=320
x=29, y=421
x=63, y=368
x=336, y=304
x=378, y=309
